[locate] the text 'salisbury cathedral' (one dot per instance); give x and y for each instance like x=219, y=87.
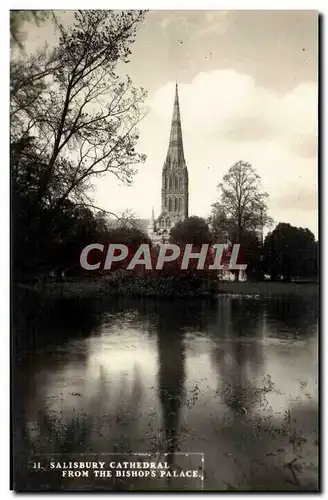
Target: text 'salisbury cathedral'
x=175, y=185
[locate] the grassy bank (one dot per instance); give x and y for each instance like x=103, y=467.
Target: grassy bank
x=126, y=285
x=269, y=289
x=167, y=287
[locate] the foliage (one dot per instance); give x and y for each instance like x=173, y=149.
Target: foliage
x=250, y=254
x=240, y=214
x=125, y=234
x=290, y=252
x=130, y=236
x=241, y=206
x=72, y=119
x=156, y=284
x=219, y=224
x=83, y=115
x=193, y=230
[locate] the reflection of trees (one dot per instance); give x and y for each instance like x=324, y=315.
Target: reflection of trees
x=237, y=353
x=44, y=324
x=287, y=450
x=109, y=424
x=40, y=322
x=271, y=451
x=294, y=316
x=40, y=427
x=171, y=372
x=110, y=420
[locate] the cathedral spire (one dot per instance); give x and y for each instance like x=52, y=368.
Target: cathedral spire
x=175, y=183
x=151, y=226
x=175, y=151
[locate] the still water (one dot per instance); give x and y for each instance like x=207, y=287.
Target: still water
x=235, y=379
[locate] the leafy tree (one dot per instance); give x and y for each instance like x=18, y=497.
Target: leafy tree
x=219, y=224
x=250, y=254
x=291, y=252
x=127, y=235
x=242, y=204
x=82, y=113
x=240, y=214
x=72, y=119
x=130, y=236
x=193, y=230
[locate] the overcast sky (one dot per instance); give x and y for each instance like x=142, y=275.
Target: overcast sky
x=248, y=91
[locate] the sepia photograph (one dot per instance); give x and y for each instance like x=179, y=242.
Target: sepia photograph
x=164, y=215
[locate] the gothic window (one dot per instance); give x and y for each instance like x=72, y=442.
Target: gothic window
x=167, y=223
x=175, y=204
x=180, y=204
x=180, y=182
x=176, y=182
x=170, y=204
x=165, y=182
x=170, y=182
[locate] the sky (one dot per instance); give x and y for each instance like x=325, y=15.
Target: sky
x=248, y=89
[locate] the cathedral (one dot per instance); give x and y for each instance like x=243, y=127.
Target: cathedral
x=175, y=184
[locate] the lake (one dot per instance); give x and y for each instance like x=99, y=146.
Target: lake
x=228, y=387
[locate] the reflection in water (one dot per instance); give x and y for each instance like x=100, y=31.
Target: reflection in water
x=294, y=317
x=234, y=379
x=171, y=372
x=237, y=356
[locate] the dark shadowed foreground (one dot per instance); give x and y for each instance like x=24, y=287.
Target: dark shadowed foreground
x=234, y=379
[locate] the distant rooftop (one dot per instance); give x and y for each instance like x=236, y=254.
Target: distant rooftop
x=142, y=224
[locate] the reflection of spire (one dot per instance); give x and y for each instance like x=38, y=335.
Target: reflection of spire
x=171, y=375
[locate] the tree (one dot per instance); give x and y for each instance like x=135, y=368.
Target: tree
x=250, y=254
x=72, y=119
x=242, y=204
x=193, y=230
x=240, y=214
x=290, y=252
x=81, y=113
x=130, y=236
x=219, y=224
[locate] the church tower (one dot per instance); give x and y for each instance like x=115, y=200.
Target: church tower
x=175, y=183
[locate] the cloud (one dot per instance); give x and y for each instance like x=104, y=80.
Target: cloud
x=307, y=147
x=248, y=128
x=172, y=19
x=233, y=105
x=208, y=22
x=302, y=198
x=226, y=117
x=216, y=22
